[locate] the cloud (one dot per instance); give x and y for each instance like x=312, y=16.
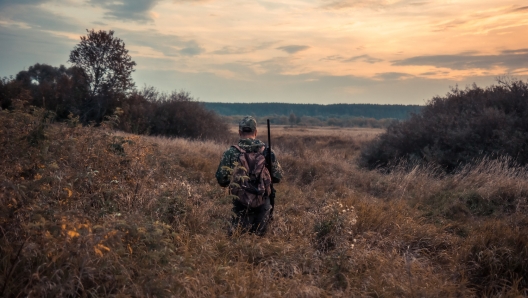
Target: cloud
x=276, y=65
x=429, y=73
x=230, y=50
x=364, y=58
x=39, y=18
x=450, y=25
x=390, y=76
x=418, y=3
x=273, y=5
x=192, y=48
x=521, y=8
x=333, y=58
x=306, y=88
x=292, y=49
x=511, y=59
x=373, y=4
x=22, y=48
x=169, y=45
x=239, y=70
x=477, y=19
x=518, y=51
x=309, y=87
x=148, y=63
x=5, y=3
x=127, y=10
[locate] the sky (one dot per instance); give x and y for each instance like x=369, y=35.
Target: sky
x=295, y=51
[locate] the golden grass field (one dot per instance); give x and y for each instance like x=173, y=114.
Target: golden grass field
x=91, y=212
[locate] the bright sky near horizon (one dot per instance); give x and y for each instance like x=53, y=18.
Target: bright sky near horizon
x=296, y=51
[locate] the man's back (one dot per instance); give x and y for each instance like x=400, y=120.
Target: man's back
x=231, y=156
x=252, y=210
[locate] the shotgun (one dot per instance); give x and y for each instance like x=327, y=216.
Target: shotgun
x=269, y=166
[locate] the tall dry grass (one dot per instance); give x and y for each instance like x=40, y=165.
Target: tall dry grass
x=90, y=212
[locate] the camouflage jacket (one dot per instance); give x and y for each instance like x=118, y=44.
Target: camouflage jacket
x=231, y=156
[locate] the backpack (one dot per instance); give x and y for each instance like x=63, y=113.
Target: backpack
x=250, y=180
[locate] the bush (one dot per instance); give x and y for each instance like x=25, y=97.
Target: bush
x=59, y=89
x=11, y=90
x=457, y=129
x=137, y=112
x=65, y=92
x=178, y=114
x=175, y=115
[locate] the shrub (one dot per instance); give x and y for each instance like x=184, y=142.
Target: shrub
x=331, y=228
x=495, y=257
x=178, y=114
x=59, y=89
x=137, y=112
x=147, y=111
x=458, y=128
x=10, y=90
x=98, y=89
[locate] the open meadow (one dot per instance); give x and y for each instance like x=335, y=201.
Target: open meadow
x=92, y=212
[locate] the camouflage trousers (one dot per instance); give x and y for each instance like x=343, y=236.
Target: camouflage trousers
x=252, y=220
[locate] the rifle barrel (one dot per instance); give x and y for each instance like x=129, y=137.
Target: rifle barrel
x=269, y=138
x=268, y=161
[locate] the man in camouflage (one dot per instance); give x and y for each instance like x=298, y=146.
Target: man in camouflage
x=254, y=220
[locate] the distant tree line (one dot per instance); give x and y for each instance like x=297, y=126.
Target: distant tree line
x=294, y=120
x=99, y=85
x=315, y=110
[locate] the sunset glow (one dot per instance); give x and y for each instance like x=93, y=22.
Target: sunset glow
x=315, y=51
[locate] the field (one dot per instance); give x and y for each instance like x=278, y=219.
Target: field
x=93, y=212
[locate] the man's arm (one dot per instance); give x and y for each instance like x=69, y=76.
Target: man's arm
x=223, y=173
x=276, y=169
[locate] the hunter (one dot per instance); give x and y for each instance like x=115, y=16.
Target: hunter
x=251, y=193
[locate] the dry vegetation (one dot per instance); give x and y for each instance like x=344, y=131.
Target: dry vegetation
x=89, y=212
x=458, y=128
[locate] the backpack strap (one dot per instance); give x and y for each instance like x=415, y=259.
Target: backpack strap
x=239, y=149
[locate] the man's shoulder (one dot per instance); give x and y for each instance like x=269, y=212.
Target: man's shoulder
x=230, y=150
x=250, y=145
x=250, y=142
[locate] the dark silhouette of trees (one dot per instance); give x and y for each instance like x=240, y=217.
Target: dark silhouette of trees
x=9, y=90
x=108, y=68
x=263, y=109
x=59, y=89
x=99, y=84
x=138, y=110
x=457, y=129
x=179, y=114
x=292, y=119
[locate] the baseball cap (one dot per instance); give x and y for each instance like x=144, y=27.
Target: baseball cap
x=248, y=123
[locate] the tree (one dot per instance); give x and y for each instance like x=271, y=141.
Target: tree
x=56, y=88
x=105, y=61
x=108, y=69
x=292, y=119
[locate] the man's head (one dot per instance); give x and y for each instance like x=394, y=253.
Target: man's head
x=247, y=128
